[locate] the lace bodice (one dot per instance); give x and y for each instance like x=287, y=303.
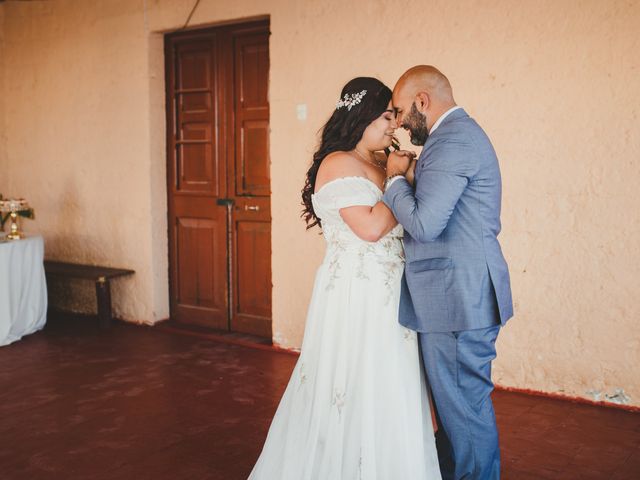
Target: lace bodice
x=348, y=192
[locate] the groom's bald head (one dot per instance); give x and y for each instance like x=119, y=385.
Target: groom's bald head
x=421, y=95
x=425, y=78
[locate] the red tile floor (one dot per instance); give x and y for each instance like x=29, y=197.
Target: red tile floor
x=148, y=403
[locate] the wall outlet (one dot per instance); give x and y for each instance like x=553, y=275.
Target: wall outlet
x=301, y=111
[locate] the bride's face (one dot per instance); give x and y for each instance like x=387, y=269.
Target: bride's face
x=379, y=133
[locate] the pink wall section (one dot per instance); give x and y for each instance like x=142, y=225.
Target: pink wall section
x=554, y=84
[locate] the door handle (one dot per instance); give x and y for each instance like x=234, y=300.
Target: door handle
x=227, y=202
x=253, y=208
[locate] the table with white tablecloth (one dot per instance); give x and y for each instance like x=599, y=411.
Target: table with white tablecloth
x=23, y=288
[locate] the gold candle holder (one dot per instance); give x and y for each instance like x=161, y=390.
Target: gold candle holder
x=15, y=208
x=14, y=232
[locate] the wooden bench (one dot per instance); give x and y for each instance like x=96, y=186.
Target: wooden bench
x=100, y=275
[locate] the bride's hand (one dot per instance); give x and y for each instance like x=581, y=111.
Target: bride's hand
x=399, y=162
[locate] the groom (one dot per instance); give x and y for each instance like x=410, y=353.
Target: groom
x=455, y=290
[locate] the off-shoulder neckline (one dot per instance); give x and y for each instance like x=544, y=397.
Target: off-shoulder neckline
x=348, y=177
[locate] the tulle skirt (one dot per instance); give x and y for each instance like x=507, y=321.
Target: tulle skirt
x=356, y=406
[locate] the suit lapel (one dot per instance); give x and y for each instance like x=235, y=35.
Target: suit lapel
x=460, y=113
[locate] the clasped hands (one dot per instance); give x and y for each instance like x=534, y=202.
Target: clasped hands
x=402, y=162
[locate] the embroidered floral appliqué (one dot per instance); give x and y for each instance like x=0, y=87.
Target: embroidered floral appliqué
x=338, y=400
x=410, y=335
x=303, y=376
x=334, y=266
x=364, y=251
x=391, y=269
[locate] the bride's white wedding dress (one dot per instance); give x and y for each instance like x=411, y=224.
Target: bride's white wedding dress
x=356, y=406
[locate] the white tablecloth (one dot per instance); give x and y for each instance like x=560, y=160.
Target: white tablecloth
x=23, y=289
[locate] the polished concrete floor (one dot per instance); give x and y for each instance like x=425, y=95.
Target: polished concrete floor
x=149, y=403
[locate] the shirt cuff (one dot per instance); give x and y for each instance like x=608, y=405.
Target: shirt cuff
x=392, y=181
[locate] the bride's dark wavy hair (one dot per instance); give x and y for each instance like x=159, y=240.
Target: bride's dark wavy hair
x=343, y=131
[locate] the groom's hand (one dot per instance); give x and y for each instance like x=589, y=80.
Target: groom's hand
x=399, y=161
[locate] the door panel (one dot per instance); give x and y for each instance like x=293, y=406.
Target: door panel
x=195, y=96
x=252, y=115
x=252, y=267
x=200, y=290
x=254, y=172
x=218, y=177
x=252, y=230
x=199, y=283
x=197, y=226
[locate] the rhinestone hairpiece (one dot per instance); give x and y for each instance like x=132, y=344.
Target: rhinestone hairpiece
x=350, y=100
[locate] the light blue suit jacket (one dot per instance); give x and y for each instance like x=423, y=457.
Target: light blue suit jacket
x=456, y=277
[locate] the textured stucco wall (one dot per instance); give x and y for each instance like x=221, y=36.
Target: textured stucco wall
x=553, y=83
x=4, y=167
x=79, y=124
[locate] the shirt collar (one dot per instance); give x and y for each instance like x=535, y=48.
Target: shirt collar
x=442, y=117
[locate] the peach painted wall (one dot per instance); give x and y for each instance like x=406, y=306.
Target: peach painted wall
x=78, y=142
x=3, y=137
x=553, y=83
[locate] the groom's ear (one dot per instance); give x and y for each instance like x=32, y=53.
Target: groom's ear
x=422, y=101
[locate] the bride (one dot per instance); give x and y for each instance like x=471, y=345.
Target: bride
x=356, y=405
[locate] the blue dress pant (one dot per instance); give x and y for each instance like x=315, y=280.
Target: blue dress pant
x=458, y=368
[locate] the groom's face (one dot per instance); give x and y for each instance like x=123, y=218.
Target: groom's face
x=409, y=117
x=416, y=123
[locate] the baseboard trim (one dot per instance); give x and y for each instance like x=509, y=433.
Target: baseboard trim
x=222, y=337
x=568, y=398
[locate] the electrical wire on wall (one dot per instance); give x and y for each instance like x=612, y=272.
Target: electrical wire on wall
x=191, y=14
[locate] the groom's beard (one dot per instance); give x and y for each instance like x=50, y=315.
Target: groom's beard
x=416, y=123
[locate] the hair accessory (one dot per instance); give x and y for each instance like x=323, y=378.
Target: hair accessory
x=350, y=100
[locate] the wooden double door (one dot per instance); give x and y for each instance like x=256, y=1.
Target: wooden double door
x=218, y=177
